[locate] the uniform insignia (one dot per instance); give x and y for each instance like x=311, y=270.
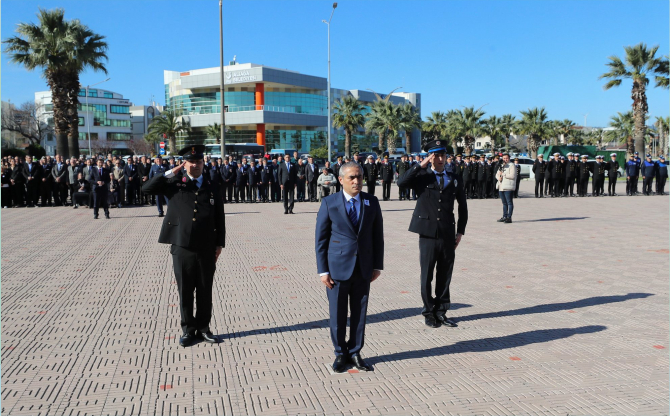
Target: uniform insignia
x=437, y=142
x=455, y=183
x=366, y=202
x=192, y=150
x=184, y=179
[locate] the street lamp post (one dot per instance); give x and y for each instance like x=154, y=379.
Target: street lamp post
x=329, y=103
x=88, y=123
x=223, y=106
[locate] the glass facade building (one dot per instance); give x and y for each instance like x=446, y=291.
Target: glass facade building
x=274, y=107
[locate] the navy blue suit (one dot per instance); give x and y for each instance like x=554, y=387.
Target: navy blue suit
x=157, y=170
x=350, y=256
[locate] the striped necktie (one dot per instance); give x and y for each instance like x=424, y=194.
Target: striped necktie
x=353, y=216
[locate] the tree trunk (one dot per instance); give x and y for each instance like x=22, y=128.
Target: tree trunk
x=390, y=142
x=347, y=143
x=72, y=113
x=640, y=109
x=381, y=142
x=532, y=146
x=408, y=142
x=56, y=82
x=172, y=142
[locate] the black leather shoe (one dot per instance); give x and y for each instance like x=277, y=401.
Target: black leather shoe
x=285, y=212
x=106, y=216
x=95, y=217
x=432, y=322
x=340, y=364
x=508, y=221
x=502, y=219
x=446, y=321
x=360, y=365
x=160, y=215
x=207, y=336
x=290, y=212
x=187, y=340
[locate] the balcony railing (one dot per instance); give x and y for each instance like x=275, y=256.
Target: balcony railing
x=197, y=110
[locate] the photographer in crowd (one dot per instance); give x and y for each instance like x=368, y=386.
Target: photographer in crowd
x=506, y=185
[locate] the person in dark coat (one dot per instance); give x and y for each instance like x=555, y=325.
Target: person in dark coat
x=481, y=178
x=349, y=246
x=132, y=181
x=143, y=169
x=158, y=168
x=196, y=231
x=556, y=171
x=46, y=184
x=275, y=188
x=386, y=175
x=648, y=172
x=661, y=175
x=336, y=172
x=82, y=190
x=288, y=176
x=32, y=176
x=253, y=181
x=266, y=180
x=570, y=175
x=402, y=167
x=598, y=171
x=517, y=166
x=539, y=169
x=311, y=176
x=613, y=174
x=548, y=181
x=6, y=183
x=241, y=182
x=18, y=182
x=228, y=178
x=301, y=180
x=632, y=175
x=60, y=187
x=99, y=181
x=439, y=235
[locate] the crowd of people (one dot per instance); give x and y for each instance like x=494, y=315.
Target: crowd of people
x=57, y=182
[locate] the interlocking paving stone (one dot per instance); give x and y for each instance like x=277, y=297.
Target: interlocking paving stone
x=565, y=311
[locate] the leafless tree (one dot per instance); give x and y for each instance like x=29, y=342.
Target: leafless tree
x=28, y=120
x=101, y=147
x=140, y=146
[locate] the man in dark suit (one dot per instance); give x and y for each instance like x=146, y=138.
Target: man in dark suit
x=386, y=173
x=144, y=168
x=312, y=173
x=253, y=181
x=481, y=177
x=288, y=175
x=46, y=183
x=241, y=182
x=275, y=189
x=556, y=171
x=132, y=181
x=539, y=169
x=195, y=228
x=32, y=176
x=60, y=174
x=266, y=180
x=158, y=169
x=336, y=172
x=433, y=219
x=349, y=256
x=98, y=177
x=227, y=180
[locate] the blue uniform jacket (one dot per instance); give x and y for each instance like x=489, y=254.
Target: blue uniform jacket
x=632, y=168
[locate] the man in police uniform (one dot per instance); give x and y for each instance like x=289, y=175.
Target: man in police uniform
x=402, y=167
x=598, y=184
x=386, y=174
x=433, y=219
x=584, y=175
x=195, y=228
x=539, y=169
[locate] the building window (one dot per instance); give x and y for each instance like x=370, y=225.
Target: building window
x=479, y=144
x=48, y=107
x=82, y=93
x=119, y=109
x=118, y=136
x=82, y=136
x=81, y=121
x=93, y=93
x=107, y=94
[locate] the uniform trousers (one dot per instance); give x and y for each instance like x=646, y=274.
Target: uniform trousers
x=252, y=193
x=597, y=186
x=45, y=193
x=194, y=271
x=386, y=190
x=583, y=186
x=646, y=184
x=371, y=187
x=481, y=189
x=466, y=188
x=240, y=191
x=539, y=186
x=548, y=185
x=556, y=187
x=611, y=185
x=228, y=189
x=660, y=185
x=311, y=189
x=516, y=190
x=631, y=185
x=437, y=257
x=348, y=294
x=569, y=186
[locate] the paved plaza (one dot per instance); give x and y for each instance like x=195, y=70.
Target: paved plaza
x=565, y=311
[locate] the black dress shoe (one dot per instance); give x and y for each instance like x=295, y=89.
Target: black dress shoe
x=187, y=340
x=160, y=215
x=360, y=365
x=508, y=221
x=446, y=321
x=285, y=212
x=432, y=322
x=207, y=336
x=340, y=364
x=290, y=212
x=95, y=217
x=502, y=219
x=107, y=216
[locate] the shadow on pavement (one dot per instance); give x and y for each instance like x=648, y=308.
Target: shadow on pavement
x=556, y=219
x=553, y=307
x=490, y=344
x=323, y=323
x=237, y=213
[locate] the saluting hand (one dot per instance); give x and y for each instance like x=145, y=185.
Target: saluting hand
x=426, y=161
x=178, y=168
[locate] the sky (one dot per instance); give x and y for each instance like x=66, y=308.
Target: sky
x=504, y=55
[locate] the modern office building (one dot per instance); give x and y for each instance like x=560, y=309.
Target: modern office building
x=140, y=118
x=107, y=117
x=274, y=107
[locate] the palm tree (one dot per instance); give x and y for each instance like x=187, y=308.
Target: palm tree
x=169, y=124
x=214, y=130
x=640, y=63
x=535, y=125
x=494, y=128
x=577, y=136
x=62, y=49
x=508, y=122
x=347, y=115
x=564, y=128
x=662, y=69
x=376, y=121
x=624, y=126
x=409, y=120
x=467, y=124
x=435, y=127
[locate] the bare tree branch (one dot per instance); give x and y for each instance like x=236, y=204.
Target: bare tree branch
x=26, y=121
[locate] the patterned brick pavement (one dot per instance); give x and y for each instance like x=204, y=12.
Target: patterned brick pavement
x=563, y=312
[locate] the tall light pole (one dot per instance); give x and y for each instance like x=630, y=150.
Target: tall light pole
x=329, y=104
x=585, y=115
x=88, y=123
x=223, y=115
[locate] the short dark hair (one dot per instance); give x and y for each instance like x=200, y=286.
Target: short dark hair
x=349, y=165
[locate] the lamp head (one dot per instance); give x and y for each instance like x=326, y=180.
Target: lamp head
x=334, y=5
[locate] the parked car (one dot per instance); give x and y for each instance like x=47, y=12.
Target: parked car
x=526, y=164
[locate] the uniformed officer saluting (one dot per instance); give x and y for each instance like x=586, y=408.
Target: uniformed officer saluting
x=433, y=220
x=195, y=228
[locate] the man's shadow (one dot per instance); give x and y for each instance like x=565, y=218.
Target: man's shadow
x=556, y=219
x=553, y=307
x=490, y=344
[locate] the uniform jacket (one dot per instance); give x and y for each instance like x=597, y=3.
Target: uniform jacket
x=196, y=219
x=598, y=170
x=288, y=175
x=555, y=169
x=661, y=170
x=648, y=169
x=370, y=172
x=402, y=167
x=481, y=172
x=227, y=173
x=339, y=246
x=632, y=168
x=214, y=174
x=584, y=171
x=434, y=207
x=157, y=170
x=336, y=169
x=242, y=178
x=266, y=174
x=387, y=172
x=570, y=169
x=613, y=169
